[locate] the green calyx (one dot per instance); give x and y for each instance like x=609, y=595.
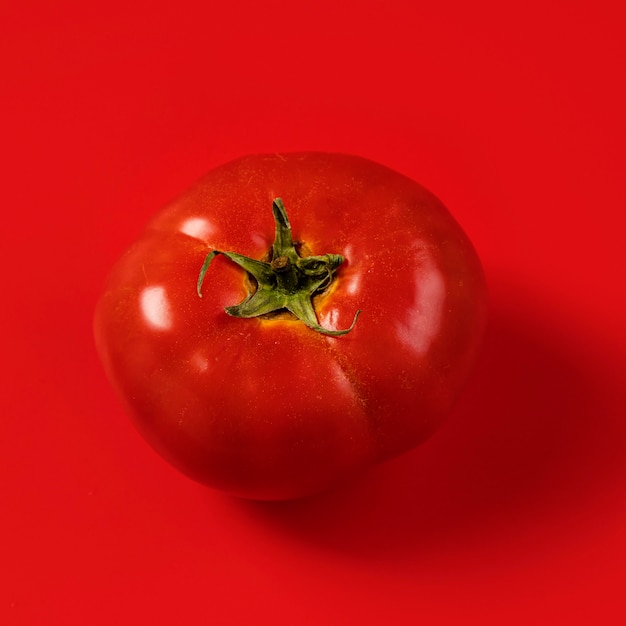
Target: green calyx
x=287, y=282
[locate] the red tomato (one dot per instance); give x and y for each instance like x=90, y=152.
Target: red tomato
x=274, y=407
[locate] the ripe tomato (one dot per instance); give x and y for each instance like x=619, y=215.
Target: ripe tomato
x=287, y=392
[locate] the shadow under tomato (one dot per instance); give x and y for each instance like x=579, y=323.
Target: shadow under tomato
x=533, y=439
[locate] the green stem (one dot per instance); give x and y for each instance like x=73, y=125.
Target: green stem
x=287, y=282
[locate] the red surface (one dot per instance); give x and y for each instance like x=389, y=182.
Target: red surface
x=515, y=511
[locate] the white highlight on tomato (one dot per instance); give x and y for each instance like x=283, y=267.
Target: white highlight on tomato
x=200, y=362
x=329, y=319
x=155, y=307
x=340, y=380
x=353, y=284
x=350, y=280
x=422, y=321
x=197, y=227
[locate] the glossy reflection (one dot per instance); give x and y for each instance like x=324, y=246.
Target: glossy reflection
x=199, y=362
x=197, y=227
x=330, y=319
x=423, y=320
x=155, y=308
x=353, y=284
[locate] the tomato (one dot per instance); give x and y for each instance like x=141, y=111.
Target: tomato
x=291, y=319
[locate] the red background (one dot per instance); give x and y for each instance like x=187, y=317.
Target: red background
x=513, y=115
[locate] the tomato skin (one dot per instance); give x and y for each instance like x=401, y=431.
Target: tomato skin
x=268, y=408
